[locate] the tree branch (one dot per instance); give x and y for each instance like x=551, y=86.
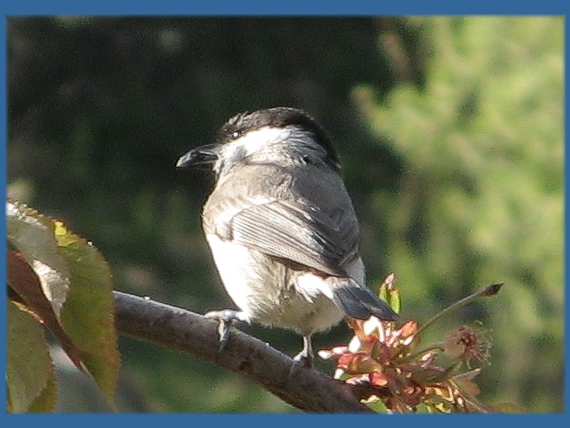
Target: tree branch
x=176, y=328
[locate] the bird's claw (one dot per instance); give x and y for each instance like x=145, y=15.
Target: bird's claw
x=306, y=356
x=225, y=317
x=304, y=359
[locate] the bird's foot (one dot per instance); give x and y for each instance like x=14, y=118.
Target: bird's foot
x=304, y=360
x=225, y=318
x=305, y=357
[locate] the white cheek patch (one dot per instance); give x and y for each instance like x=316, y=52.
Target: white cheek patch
x=254, y=141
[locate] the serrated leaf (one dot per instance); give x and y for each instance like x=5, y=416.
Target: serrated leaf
x=32, y=234
x=47, y=400
x=86, y=308
x=30, y=375
x=25, y=283
x=88, y=314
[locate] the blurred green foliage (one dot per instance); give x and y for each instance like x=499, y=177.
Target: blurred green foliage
x=451, y=133
x=481, y=196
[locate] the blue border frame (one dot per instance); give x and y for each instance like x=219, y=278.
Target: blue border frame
x=291, y=7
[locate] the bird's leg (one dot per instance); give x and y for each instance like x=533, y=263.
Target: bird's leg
x=225, y=318
x=305, y=357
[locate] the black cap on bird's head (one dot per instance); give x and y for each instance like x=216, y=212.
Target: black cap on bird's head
x=277, y=117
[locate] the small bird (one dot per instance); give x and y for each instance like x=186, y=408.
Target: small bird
x=281, y=226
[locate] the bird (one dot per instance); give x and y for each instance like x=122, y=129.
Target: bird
x=281, y=227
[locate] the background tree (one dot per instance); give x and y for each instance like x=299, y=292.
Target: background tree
x=480, y=198
x=450, y=130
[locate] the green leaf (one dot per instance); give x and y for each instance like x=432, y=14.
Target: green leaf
x=26, y=284
x=30, y=375
x=47, y=400
x=88, y=314
x=75, y=271
x=389, y=293
x=32, y=234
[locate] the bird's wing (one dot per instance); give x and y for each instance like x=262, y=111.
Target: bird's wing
x=325, y=241
x=304, y=216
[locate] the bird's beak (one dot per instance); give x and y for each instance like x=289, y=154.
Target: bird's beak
x=201, y=156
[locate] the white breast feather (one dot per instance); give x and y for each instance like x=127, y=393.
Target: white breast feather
x=265, y=298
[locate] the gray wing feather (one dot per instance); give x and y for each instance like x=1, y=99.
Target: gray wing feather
x=292, y=216
x=285, y=230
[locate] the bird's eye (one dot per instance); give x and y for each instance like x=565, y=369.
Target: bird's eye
x=236, y=135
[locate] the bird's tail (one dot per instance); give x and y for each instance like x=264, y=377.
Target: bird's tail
x=359, y=301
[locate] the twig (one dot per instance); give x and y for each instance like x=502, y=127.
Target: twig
x=175, y=328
